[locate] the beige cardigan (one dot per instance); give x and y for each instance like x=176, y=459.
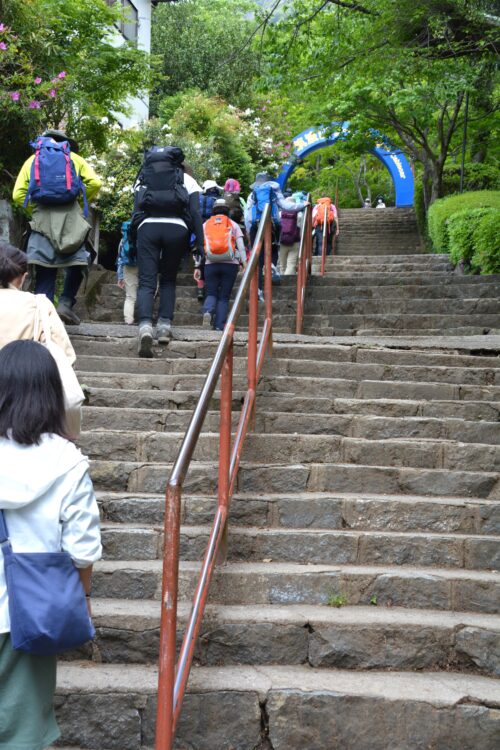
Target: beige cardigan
x=17, y=320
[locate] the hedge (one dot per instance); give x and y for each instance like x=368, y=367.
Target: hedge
x=486, y=257
x=461, y=228
x=442, y=209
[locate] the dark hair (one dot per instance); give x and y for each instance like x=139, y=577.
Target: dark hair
x=13, y=263
x=31, y=393
x=220, y=210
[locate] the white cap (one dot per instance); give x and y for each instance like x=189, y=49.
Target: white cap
x=208, y=184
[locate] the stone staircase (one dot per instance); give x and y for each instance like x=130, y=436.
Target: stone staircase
x=375, y=231
x=358, y=609
x=394, y=295
x=358, y=606
x=383, y=295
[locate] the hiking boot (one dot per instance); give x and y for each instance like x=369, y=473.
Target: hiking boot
x=145, y=340
x=200, y=295
x=207, y=320
x=67, y=315
x=164, y=331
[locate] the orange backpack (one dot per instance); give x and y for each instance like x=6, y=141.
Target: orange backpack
x=220, y=243
x=324, y=206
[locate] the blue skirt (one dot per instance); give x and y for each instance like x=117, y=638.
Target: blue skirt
x=27, y=685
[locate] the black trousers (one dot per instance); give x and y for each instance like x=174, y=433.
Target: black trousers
x=160, y=249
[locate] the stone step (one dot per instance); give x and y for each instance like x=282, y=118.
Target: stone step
x=343, y=547
x=334, y=263
x=396, y=321
x=115, y=297
x=288, y=402
x=418, y=258
x=371, y=278
x=278, y=448
x=335, y=636
x=421, y=373
x=398, y=332
x=107, y=707
x=116, y=339
x=347, y=425
x=364, y=511
x=292, y=583
x=139, y=476
x=187, y=308
x=338, y=387
x=363, y=307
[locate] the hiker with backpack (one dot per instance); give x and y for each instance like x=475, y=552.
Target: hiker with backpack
x=235, y=203
x=210, y=193
x=266, y=190
x=50, y=184
x=167, y=210
x=324, y=208
x=224, y=254
x=291, y=224
x=127, y=273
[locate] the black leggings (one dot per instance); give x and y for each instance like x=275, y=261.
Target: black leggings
x=160, y=248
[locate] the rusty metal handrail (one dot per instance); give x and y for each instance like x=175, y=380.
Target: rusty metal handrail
x=304, y=264
x=172, y=678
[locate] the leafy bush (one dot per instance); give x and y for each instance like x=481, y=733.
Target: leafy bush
x=441, y=210
x=486, y=255
x=477, y=176
x=461, y=228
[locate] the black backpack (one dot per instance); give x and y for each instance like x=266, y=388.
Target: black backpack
x=162, y=192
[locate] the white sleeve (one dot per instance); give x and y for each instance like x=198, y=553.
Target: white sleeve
x=191, y=184
x=81, y=537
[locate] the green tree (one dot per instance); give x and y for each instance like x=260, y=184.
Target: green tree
x=85, y=78
x=403, y=67
x=202, y=46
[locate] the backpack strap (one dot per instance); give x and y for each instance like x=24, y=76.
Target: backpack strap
x=4, y=534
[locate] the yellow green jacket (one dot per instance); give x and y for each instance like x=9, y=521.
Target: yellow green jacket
x=84, y=170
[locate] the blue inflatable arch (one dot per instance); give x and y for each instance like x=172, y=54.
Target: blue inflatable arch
x=395, y=161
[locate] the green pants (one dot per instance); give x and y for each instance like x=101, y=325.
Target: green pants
x=27, y=685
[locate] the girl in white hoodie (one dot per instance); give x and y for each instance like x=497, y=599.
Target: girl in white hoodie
x=49, y=504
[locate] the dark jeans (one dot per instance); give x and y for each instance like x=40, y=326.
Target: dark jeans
x=45, y=283
x=276, y=233
x=318, y=239
x=160, y=249
x=219, y=282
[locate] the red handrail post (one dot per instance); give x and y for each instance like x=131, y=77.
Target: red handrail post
x=168, y=627
x=226, y=398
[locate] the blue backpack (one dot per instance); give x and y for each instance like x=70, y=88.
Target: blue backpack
x=53, y=179
x=262, y=195
x=128, y=250
x=207, y=201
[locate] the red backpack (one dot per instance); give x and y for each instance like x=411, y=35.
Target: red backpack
x=220, y=242
x=324, y=206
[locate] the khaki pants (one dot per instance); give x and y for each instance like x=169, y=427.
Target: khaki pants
x=288, y=259
x=130, y=277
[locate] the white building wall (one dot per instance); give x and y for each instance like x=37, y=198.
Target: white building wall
x=139, y=106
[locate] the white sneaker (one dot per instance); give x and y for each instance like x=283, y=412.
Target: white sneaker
x=261, y=295
x=207, y=320
x=164, y=331
x=145, y=341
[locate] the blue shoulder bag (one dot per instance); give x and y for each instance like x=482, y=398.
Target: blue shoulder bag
x=47, y=607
